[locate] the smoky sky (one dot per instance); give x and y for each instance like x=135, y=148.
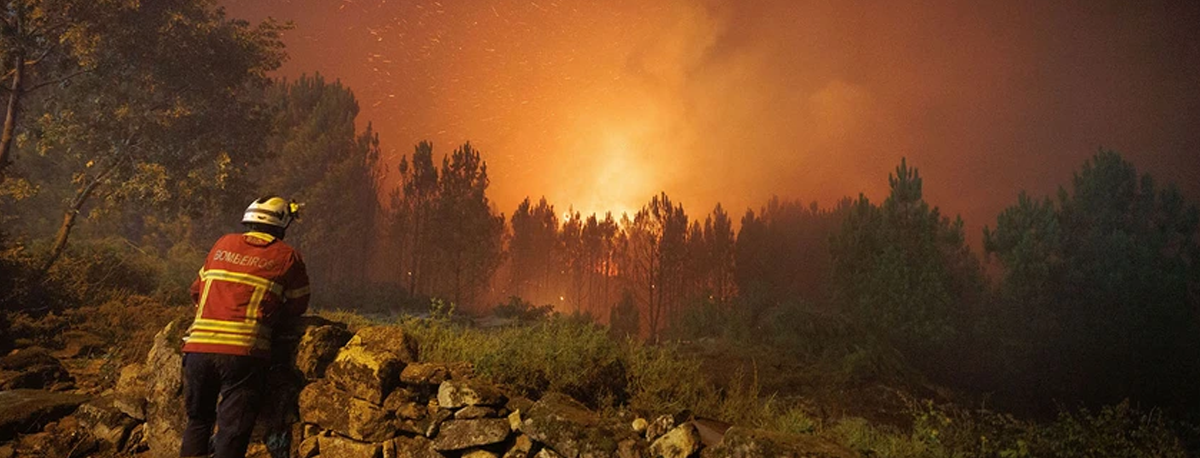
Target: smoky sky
x=600, y=105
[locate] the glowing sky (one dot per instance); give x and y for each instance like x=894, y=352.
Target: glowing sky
x=601, y=104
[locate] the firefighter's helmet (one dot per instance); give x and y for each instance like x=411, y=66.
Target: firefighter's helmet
x=273, y=211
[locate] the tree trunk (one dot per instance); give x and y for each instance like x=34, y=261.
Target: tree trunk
x=64, y=230
x=14, y=105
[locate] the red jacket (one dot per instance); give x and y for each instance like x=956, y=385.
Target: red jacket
x=247, y=283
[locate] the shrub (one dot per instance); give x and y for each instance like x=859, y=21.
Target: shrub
x=522, y=310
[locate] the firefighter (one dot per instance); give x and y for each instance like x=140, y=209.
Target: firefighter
x=250, y=283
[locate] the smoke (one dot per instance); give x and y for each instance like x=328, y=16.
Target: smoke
x=600, y=106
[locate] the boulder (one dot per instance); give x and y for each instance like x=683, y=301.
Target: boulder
x=415, y=447
x=366, y=372
x=755, y=443
x=33, y=368
x=26, y=411
x=340, y=447
x=680, y=442
x=309, y=447
x=547, y=453
x=130, y=393
x=317, y=349
x=388, y=338
x=473, y=412
x=163, y=373
x=453, y=394
x=462, y=434
x=432, y=424
x=106, y=423
x=571, y=429
x=660, y=426
x=428, y=374
x=323, y=404
x=521, y=447
x=399, y=398
x=480, y=453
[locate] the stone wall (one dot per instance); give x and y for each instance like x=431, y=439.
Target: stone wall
x=334, y=394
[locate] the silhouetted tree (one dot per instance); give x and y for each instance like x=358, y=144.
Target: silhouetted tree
x=466, y=236
x=319, y=159
x=412, y=209
x=1099, y=293
x=533, y=249
x=905, y=271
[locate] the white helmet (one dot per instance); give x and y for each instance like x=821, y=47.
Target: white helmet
x=273, y=211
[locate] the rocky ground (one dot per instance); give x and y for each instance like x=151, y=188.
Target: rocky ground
x=337, y=394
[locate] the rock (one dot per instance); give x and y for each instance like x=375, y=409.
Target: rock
x=6, y=451
x=425, y=374
x=107, y=424
x=323, y=404
x=711, y=431
x=453, y=394
x=318, y=348
x=631, y=448
x=570, y=428
x=639, y=425
x=33, y=368
x=341, y=447
x=366, y=372
x=473, y=412
x=521, y=447
x=163, y=372
x=434, y=422
x=547, y=453
x=388, y=338
x=754, y=443
x=514, y=420
x=660, y=426
x=680, y=442
x=80, y=343
x=26, y=411
x=136, y=443
x=130, y=393
x=480, y=453
x=462, y=434
x=415, y=447
x=411, y=411
x=518, y=403
x=309, y=447
x=402, y=399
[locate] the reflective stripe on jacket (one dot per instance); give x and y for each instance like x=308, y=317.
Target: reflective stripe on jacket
x=248, y=282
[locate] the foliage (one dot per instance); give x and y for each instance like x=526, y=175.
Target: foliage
x=1098, y=298
x=319, y=159
x=523, y=311
x=559, y=355
x=165, y=116
x=783, y=253
x=449, y=243
x=905, y=272
x=623, y=318
x=946, y=431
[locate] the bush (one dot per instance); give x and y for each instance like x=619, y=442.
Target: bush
x=522, y=311
x=569, y=356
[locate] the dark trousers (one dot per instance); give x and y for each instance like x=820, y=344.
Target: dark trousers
x=238, y=382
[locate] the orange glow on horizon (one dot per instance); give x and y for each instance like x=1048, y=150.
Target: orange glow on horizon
x=599, y=107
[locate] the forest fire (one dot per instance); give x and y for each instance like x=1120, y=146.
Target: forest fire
x=675, y=228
